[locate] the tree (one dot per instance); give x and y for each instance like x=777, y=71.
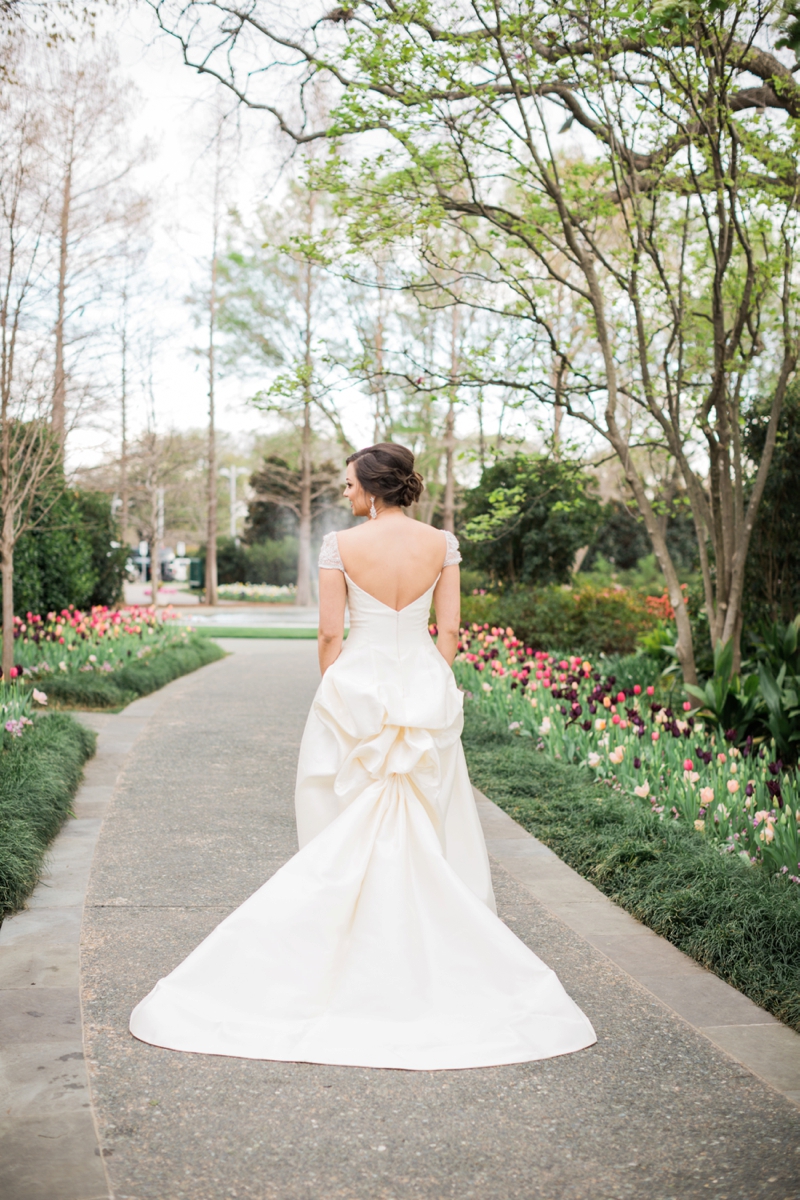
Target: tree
x=30, y=461
x=277, y=310
x=671, y=222
x=89, y=110
x=527, y=519
x=305, y=489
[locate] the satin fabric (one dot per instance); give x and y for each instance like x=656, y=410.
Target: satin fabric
x=377, y=945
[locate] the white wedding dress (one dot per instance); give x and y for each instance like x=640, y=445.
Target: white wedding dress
x=377, y=945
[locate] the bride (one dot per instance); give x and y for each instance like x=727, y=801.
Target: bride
x=377, y=945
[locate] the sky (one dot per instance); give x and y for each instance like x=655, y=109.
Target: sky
x=176, y=113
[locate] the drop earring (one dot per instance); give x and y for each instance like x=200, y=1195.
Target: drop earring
x=373, y=514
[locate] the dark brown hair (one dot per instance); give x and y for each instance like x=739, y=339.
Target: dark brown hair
x=387, y=472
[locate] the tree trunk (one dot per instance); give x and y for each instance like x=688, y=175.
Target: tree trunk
x=123, y=458
x=304, y=533
x=7, y=568
x=211, y=534
x=58, y=417
x=155, y=541
x=449, y=500
x=304, y=538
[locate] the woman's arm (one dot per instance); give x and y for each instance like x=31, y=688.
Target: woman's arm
x=447, y=606
x=332, y=599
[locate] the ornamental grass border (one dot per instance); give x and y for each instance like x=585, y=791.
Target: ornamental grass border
x=39, y=775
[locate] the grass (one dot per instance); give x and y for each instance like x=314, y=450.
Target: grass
x=39, y=775
x=735, y=920
x=91, y=690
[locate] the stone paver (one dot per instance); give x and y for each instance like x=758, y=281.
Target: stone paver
x=49, y=1148
x=201, y=816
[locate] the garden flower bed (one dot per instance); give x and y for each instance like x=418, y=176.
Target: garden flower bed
x=261, y=593
x=662, y=758
x=103, y=658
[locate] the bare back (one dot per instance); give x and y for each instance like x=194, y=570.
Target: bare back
x=395, y=558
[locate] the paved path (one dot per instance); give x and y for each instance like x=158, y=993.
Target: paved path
x=200, y=816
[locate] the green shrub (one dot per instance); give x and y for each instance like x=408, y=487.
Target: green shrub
x=527, y=518
x=586, y=620
x=741, y=923
x=39, y=775
x=140, y=677
x=273, y=562
x=71, y=556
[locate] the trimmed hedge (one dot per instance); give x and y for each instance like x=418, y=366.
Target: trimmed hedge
x=584, y=619
x=39, y=776
x=141, y=676
x=734, y=919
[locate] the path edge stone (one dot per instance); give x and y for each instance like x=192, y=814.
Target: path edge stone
x=749, y=1035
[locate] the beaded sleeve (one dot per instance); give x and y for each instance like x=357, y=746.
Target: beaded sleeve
x=329, y=557
x=453, y=556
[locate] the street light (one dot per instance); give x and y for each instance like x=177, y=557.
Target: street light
x=232, y=474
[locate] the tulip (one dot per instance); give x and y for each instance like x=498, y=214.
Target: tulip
x=733, y=786
x=643, y=790
x=651, y=691
x=688, y=765
x=594, y=760
x=654, y=735
x=721, y=758
x=687, y=707
x=699, y=825
x=637, y=691
x=707, y=796
x=600, y=724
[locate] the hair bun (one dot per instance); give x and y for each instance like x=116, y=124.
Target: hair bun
x=387, y=472
x=411, y=489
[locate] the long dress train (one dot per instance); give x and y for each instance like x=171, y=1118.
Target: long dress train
x=377, y=945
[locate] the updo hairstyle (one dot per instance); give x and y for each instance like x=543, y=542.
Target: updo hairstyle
x=386, y=471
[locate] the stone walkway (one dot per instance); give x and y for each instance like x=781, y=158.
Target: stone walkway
x=200, y=815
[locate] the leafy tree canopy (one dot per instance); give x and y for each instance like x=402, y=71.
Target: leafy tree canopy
x=527, y=518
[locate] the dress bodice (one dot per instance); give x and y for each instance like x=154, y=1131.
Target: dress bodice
x=371, y=619
x=331, y=560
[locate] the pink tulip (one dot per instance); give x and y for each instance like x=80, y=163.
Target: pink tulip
x=686, y=706
x=651, y=691
x=637, y=691
x=654, y=735
x=688, y=765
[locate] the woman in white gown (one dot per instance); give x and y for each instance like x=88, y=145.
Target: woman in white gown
x=377, y=945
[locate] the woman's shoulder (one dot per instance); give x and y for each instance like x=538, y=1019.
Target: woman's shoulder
x=329, y=557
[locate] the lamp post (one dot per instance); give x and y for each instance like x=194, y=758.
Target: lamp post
x=232, y=474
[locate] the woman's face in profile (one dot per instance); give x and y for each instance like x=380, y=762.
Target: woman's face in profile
x=354, y=492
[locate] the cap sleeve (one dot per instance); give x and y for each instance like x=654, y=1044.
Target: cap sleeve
x=329, y=557
x=453, y=556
